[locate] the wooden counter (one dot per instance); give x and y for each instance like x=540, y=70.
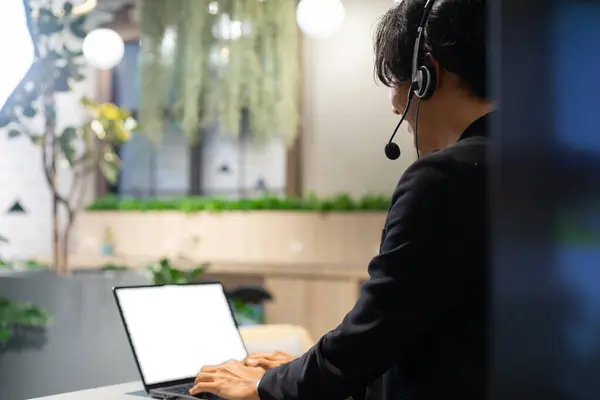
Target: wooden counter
x=316, y=297
x=313, y=263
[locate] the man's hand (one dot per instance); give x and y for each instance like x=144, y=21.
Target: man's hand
x=232, y=380
x=268, y=360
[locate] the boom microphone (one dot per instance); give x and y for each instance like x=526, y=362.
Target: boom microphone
x=392, y=150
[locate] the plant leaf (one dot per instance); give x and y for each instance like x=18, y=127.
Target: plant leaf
x=164, y=263
x=29, y=111
x=72, y=53
x=176, y=276
x=53, y=55
x=76, y=27
x=165, y=275
x=38, y=140
x=61, y=79
x=110, y=166
x=30, y=315
x=75, y=73
x=66, y=144
x=5, y=334
x=47, y=23
x=195, y=274
x=68, y=8
x=113, y=267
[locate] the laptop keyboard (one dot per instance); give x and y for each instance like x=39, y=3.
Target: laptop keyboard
x=185, y=390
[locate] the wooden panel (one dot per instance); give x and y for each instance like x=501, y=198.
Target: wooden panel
x=319, y=305
x=327, y=304
x=289, y=301
x=343, y=240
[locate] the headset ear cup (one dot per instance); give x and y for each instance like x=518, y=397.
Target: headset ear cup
x=430, y=71
x=428, y=80
x=423, y=81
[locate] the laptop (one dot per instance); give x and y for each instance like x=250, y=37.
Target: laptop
x=175, y=330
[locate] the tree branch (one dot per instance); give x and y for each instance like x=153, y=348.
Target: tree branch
x=49, y=172
x=78, y=204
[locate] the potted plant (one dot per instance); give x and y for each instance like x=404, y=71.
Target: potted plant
x=163, y=272
x=247, y=303
x=17, y=317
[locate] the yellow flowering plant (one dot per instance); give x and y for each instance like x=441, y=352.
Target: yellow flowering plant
x=109, y=126
x=110, y=122
x=76, y=150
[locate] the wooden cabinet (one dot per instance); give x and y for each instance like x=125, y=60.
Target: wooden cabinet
x=316, y=303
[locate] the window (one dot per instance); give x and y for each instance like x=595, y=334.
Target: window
x=220, y=166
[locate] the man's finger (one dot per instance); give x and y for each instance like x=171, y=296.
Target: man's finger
x=253, y=362
x=210, y=369
x=262, y=363
x=204, y=387
x=205, y=377
x=261, y=355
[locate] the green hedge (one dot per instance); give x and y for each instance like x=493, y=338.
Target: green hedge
x=340, y=203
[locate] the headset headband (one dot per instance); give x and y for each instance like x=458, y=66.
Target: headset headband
x=420, y=32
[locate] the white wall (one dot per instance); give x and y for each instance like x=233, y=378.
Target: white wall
x=347, y=118
x=22, y=179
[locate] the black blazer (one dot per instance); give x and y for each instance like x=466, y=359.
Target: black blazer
x=419, y=329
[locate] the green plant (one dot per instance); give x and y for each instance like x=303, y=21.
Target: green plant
x=58, y=37
x=246, y=313
x=29, y=264
x=114, y=268
x=340, y=203
x=15, y=315
x=163, y=273
x=215, y=73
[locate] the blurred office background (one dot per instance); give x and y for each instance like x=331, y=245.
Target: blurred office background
x=257, y=160
x=270, y=187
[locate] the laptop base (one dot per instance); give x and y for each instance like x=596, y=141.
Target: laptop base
x=180, y=392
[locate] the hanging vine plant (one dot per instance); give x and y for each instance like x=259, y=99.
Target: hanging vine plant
x=231, y=57
x=154, y=67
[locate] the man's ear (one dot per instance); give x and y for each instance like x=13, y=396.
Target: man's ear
x=436, y=66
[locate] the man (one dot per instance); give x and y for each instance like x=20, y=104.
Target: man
x=419, y=328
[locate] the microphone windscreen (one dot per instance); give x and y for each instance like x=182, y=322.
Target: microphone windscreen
x=392, y=151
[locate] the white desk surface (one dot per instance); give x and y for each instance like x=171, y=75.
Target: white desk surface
x=115, y=392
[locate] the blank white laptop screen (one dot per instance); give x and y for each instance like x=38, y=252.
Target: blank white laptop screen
x=176, y=330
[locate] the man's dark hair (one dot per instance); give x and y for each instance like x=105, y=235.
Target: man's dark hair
x=455, y=35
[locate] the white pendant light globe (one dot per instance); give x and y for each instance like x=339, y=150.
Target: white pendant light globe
x=103, y=48
x=320, y=18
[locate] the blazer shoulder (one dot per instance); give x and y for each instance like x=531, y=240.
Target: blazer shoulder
x=458, y=161
x=437, y=172
x=467, y=151
x=423, y=178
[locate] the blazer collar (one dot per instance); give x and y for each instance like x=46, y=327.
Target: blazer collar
x=479, y=127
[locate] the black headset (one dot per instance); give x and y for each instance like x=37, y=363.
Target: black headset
x=424, y=82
